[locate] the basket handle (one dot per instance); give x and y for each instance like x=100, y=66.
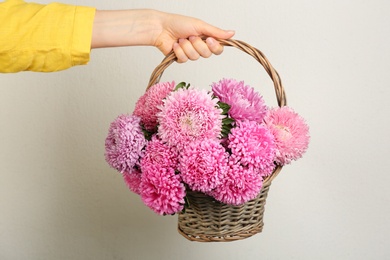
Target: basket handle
x=255, y=53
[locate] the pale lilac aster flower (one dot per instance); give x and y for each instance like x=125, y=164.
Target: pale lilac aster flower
x=252, y=144
x=162, y=190
x=203, y=164
x=147, y=105
x=124, y=143
x=133, y=180
x=241, y=185
x=245, y=103
x=291, y=134
x=188, y=115
x=159, y=153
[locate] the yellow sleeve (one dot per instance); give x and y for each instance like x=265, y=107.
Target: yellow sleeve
x=44, y=38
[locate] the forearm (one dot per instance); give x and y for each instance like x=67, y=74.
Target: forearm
x=44, y=38
x=166, y=31
x=126, y=28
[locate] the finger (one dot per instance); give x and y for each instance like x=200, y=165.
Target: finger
x=200, y=46
x=188, y=49
x=214, y=46
x=180, y=55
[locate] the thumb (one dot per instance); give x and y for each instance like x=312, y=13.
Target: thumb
x=215, y=32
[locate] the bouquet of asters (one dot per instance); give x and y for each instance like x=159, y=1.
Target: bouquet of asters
x=222, y=142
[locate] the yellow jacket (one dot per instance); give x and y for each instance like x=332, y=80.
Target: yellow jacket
x=44, y=38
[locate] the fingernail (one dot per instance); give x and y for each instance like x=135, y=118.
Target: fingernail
x=210, y=41
x=231, y=32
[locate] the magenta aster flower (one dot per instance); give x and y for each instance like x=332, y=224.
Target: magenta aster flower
x=133, y=181
x=245, y=103
x=162, y=190
x=291, y=134
x=124, y=143
x=239, y=186
x=253, y=144
x=189, y=115
x=147, y=105
x=159, y=153
x=203, y=165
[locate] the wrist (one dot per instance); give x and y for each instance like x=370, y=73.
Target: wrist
x=126, y=28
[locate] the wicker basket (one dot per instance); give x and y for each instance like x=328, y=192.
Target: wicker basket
x=207, y=220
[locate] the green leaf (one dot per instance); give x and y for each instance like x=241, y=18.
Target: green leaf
x=147, y=134
x=227, y=129
x=227, y=120
x=187, y=202
x=186, y=205
x=225, y=107
x=227, y=125
x=182, y=85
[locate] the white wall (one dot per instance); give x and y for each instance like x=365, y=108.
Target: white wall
x=59, y=199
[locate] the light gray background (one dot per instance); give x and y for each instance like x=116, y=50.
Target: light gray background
x=60, y=200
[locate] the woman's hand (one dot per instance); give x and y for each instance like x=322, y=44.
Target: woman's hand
x=165, y=31
x=183, y=35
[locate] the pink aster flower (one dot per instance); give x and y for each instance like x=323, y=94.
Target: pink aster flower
x=133, y=181
x=159, y=153
x=203, y=165
x=189, y=115
x=124, y=143
x=245, y=103
x=291, y=134
x=147, y=105
x=139, y=108
x=252, y=144
x=241, y=185
x=162, y=191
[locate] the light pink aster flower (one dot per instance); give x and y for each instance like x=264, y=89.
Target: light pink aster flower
x=245, y=103
x=162, y=190
x=147, y=105
x=189, y=115
x=252, y=144
x=241, y=185
x=291, y=134
x=124, y=143
x=159, y=153
x=133, y=180
x=203, y=164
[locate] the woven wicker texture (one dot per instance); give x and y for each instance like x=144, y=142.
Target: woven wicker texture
x=207, y=220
